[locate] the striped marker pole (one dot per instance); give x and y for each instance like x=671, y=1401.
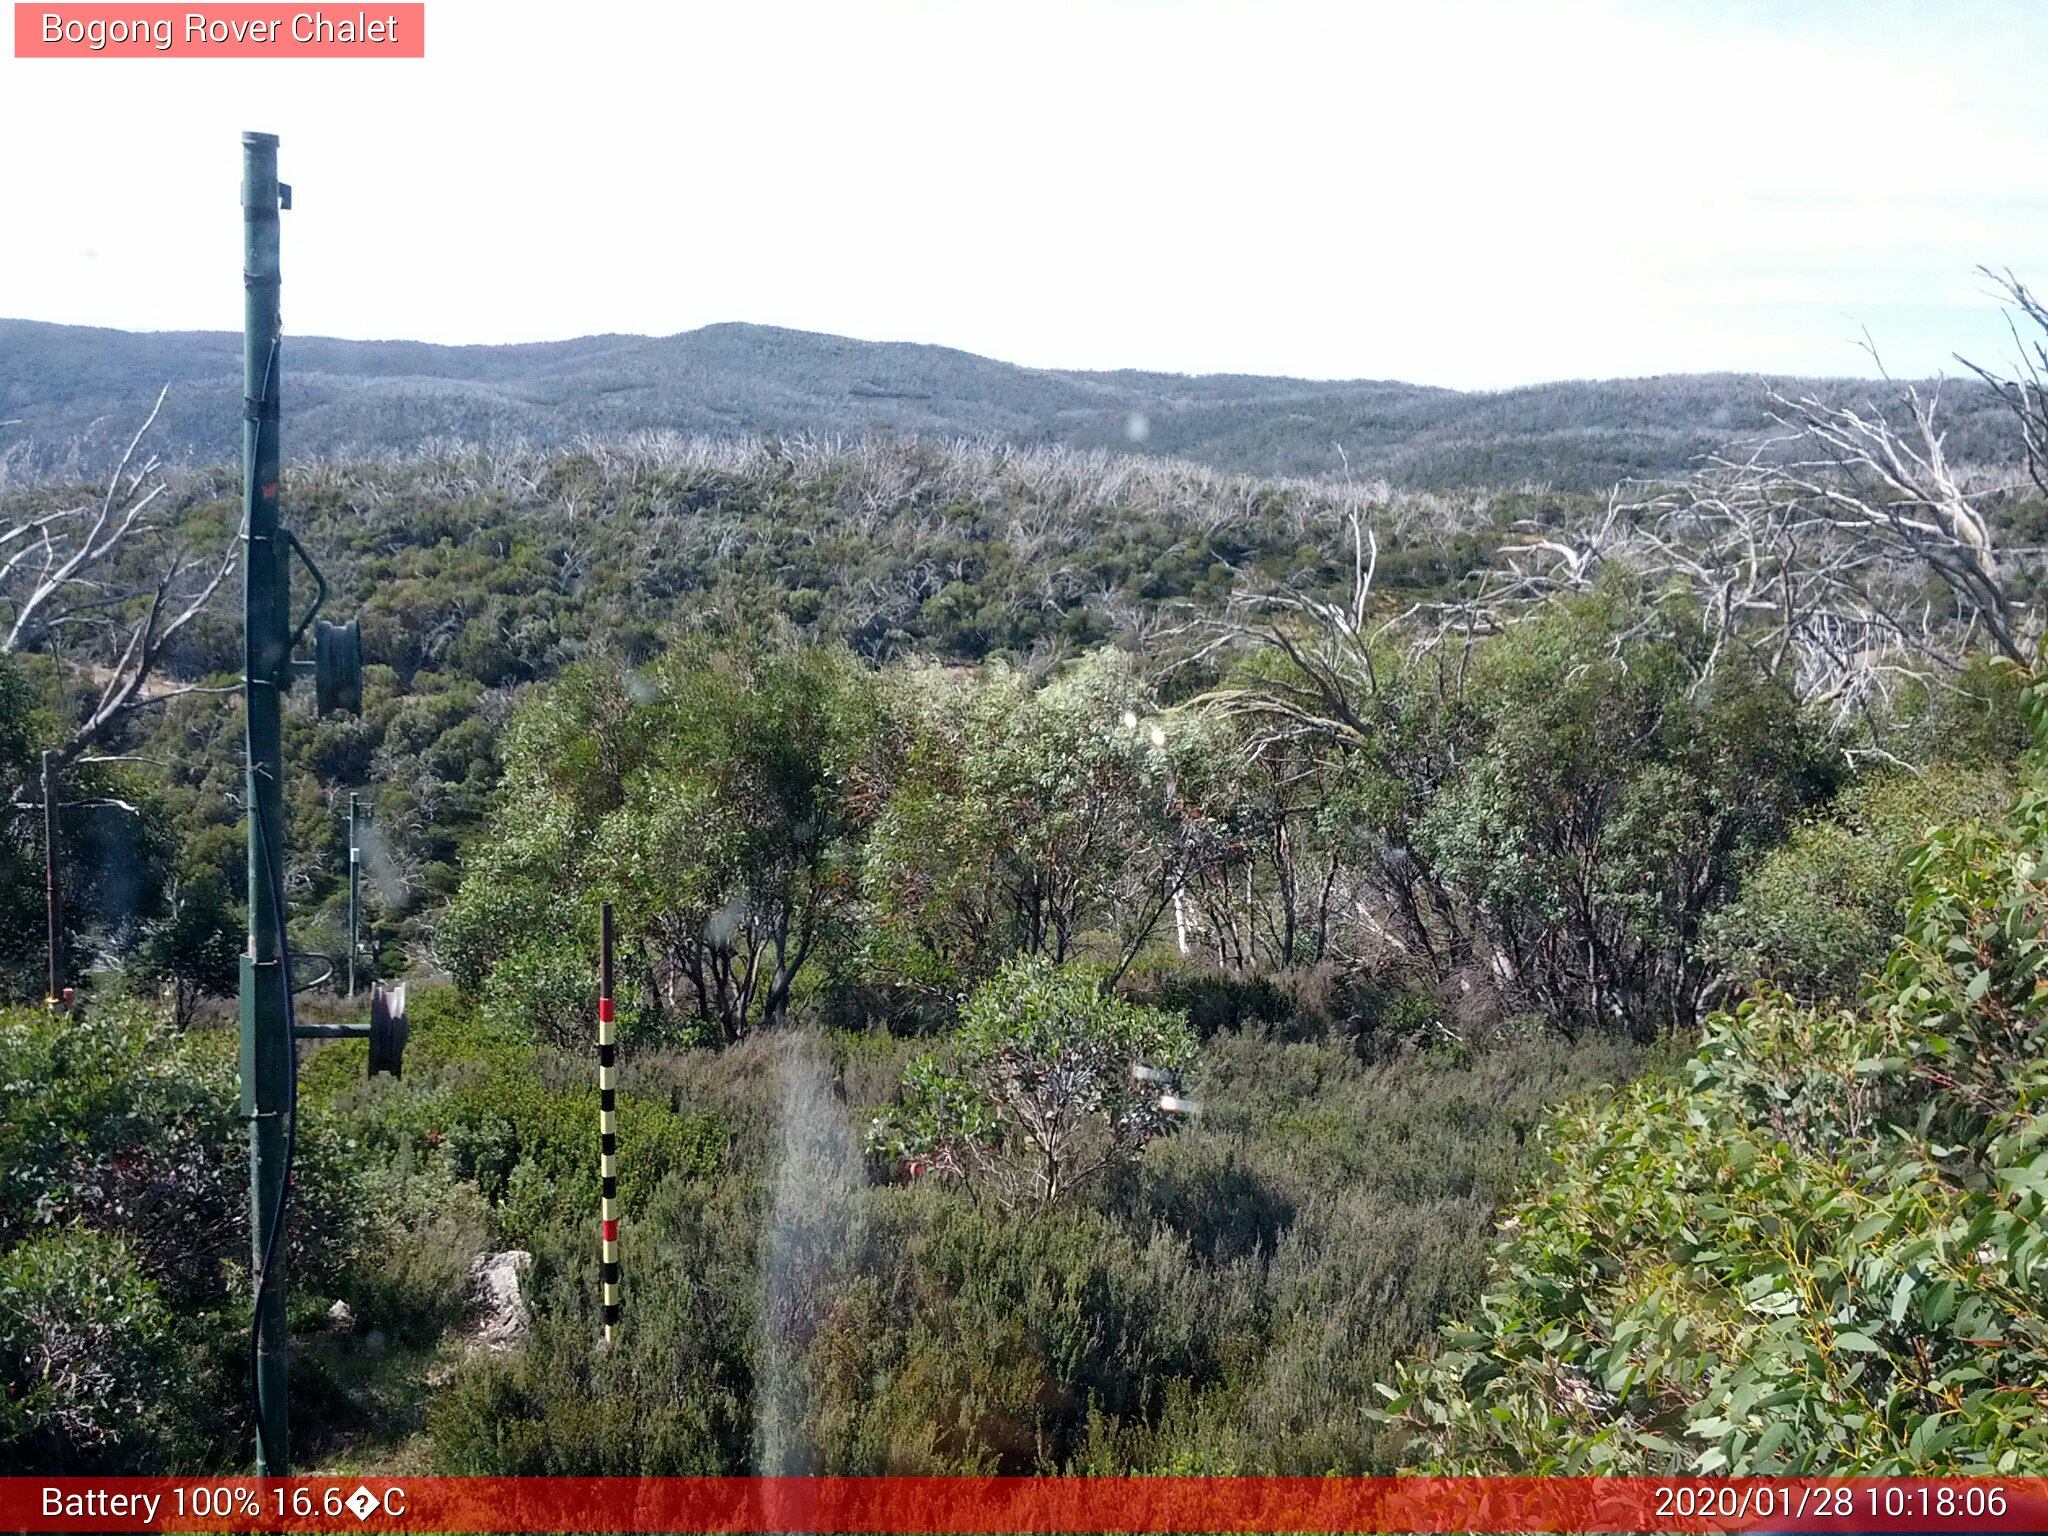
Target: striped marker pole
x=608, y=1126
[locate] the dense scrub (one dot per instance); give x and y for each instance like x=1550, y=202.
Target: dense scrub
x=1211, y=1304
x=1214, y=1306
x=124, y=1249
x=947, y=798
x=477, y=575
x=1821, y=1249
x=1546, y=833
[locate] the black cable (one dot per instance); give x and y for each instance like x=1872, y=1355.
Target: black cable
x=273, y=863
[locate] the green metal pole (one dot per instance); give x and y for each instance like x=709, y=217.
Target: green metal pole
x=355, y=860
x=266, y=1039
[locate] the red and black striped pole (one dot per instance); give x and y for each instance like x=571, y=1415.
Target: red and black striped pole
x=608, y=1126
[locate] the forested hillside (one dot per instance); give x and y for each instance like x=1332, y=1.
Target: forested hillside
x=1102, y=941
x=73, y=394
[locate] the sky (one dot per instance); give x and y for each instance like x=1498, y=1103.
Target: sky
x=1468, y=194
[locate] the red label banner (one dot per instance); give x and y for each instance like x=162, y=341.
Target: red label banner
x=964, y=1504
x=225, y=31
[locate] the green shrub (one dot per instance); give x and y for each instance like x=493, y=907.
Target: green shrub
x=430, y=1225
x=672, y=1397
x=121, y=1132
x=545, y=992
x=1045, y=1091
x=90, y=1362
x=1215, y=1304
x=484, y=1108
x=1824, y=1254
x=511, y=1133
x=1212, y=1000
x=1818, y=914
x=978, y=1342
x=117, y=1123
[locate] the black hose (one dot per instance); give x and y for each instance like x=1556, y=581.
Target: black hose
x=273, y=864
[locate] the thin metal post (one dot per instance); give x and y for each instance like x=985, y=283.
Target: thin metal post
x=608, y=1128
x=266, y=611
x=53, y=903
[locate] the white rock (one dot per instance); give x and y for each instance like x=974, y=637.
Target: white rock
x=340, y=1319
x=502, y=1315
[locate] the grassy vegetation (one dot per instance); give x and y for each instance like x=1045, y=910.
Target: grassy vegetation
x=1223, y=1302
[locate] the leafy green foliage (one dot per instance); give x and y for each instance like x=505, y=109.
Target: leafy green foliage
x=1019, y=820
x=803, y=818
x=116, y=1126
x=485, y=1108
x=115, y=843
x=193, y=949
x=1550, y=819
x=88, y=1358
x=1045, y=1088
x=718, y=798
x=124, y=1228
x=1605, y=801
x=1825, y=1253
x=1817, y=915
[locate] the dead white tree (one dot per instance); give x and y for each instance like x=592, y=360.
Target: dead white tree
x=2025, y=389
x=1848, y=551
x=105, y=586
x=1327, y=641
x=1342, y=670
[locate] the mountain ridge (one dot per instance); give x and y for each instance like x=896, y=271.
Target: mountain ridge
x=76, y=393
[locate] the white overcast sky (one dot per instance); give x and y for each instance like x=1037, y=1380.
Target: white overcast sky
x=1451, y=193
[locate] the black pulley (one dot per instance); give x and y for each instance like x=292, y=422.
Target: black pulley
x=387, y=1029
x=338, y=667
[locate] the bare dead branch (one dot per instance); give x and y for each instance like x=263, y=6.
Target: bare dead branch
x=106, y=587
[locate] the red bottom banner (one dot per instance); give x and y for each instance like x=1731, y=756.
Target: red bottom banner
x=1002, y=1504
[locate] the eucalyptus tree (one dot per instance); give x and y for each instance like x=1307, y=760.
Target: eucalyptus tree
x=1026, y=819
x=719, y=798
x=1050, y=1080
